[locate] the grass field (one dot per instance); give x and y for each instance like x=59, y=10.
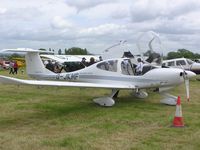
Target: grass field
x=52, y=118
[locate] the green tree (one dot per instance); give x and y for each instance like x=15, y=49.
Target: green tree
x=196, y=56
x=65, y=51
x=182, y=53
x=76, y=51
x=15, y=55
x=59, y=52
x=172, y=55
x=42, y=49
x=186, y=53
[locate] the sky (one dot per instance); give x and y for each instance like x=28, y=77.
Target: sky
x=98, y=24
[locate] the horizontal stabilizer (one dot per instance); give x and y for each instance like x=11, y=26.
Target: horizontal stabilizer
x=23, y=50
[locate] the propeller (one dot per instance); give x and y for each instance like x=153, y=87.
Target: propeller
x=187, y=84
x=187, y=89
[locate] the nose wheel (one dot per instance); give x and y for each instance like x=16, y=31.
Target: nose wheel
x=168, y=99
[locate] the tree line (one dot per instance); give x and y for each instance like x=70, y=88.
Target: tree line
x=69, y=51
x=183, y=53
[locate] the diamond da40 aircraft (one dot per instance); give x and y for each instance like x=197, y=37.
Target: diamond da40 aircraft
x=115, y=74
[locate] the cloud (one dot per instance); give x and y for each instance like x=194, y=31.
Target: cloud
x=175, y=27
x=60, y=23
x=98, y=23
x=107, y=11
x=3, y=10
x=152, y=9
x=85, y=4
x=104, y=29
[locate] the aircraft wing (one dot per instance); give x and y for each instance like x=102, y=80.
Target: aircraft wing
x=10, y=80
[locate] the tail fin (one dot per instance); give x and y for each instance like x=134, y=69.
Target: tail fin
x=34, y=64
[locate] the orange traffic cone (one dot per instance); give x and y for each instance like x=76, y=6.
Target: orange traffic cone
x=178, y=119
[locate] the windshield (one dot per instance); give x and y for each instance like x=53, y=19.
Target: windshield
x=110, y=65
x=126, y=67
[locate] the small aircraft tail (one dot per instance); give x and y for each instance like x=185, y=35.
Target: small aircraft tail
x=34, y=64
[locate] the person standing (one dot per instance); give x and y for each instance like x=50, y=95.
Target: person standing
x=100, y=58
x=84, y=63
x=15, y=66
x=139, y=67
x=50, y=66
x=92, y=61
x=11, y=66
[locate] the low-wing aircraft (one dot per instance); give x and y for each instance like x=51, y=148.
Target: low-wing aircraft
x=115, y=74
x=185, y=63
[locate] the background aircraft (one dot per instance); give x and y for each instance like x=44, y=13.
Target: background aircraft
x=114, y=74
x=69, y=58
x=185, y=63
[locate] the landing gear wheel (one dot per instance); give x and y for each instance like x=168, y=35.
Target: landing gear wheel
x=104, y=101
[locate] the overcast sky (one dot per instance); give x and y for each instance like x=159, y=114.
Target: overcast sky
x=97, y=24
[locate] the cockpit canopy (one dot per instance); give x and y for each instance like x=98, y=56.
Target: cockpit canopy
x=110, y=65
x=124, y=66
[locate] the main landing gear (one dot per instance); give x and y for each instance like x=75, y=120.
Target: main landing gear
x=107, y=101
x=140, y=94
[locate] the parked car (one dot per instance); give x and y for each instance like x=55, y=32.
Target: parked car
x=5, y=64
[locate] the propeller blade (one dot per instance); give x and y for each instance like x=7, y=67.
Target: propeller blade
x=187, y=84
x=187, y=89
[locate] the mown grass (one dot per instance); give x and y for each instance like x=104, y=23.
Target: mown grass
x=66, y=118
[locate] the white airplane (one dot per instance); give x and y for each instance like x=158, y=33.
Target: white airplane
x=115, y=74
x=185, y=63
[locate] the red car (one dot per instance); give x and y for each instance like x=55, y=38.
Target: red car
x=5, y=64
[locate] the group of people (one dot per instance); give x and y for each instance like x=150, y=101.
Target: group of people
x=13, y=67
x=69, y=66
x=84, y=63
x=91, y=62
x=54, y=67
